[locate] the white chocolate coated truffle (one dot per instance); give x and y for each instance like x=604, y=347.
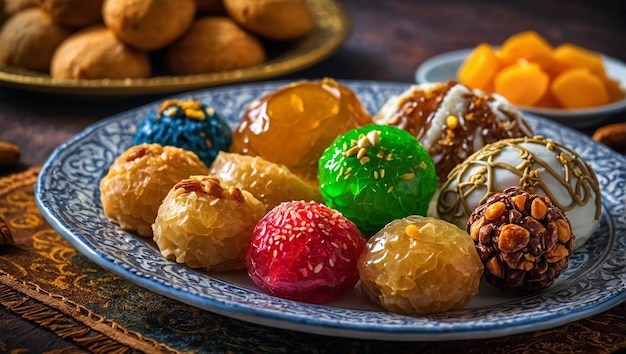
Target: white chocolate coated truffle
x=536, y=165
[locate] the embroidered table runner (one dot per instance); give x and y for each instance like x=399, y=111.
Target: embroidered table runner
x=54, y=299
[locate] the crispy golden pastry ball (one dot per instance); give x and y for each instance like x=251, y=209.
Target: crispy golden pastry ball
x=214, y=44
x=148, y=24
x=269, y=182
x=139, y=179
x=73, y=13
x=206, y=224
x=95, y=53
x=280, y=20
x=29, y=38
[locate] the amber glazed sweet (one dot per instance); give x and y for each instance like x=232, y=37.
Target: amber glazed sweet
x=270, y=183
x=294, y=124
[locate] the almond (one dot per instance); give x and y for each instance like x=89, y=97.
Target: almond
x=612, y=135
x=9, y=154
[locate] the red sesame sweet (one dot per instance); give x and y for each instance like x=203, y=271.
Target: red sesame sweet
x=305, y=251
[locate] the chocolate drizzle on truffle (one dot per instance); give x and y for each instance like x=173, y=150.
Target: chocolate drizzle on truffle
x=477, y=173
x=453, y=121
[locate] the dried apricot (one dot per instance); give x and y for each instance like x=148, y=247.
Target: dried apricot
x=578, y=88
x=569, y=56
x=523, y=83
x=478, y=70
x=527, y=45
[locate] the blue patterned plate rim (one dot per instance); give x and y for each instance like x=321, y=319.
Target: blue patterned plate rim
x=67, y=194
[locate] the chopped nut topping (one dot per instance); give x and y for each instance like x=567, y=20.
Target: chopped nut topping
x=494, y=266
x=452, y=122
x=520, y=202
x=563, y=230
x=513, y=238
x=538, y=209
x=408, y=176
x=495, y=210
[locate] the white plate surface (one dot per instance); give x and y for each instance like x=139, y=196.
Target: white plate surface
x=68, y=196
x=444, y=67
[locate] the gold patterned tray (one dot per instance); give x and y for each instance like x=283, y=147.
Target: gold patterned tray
x=332, y=29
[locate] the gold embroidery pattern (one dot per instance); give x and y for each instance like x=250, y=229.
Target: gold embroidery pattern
x=45, y=280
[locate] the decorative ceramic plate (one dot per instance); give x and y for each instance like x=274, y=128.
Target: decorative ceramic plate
x=332, y=29
x=67, y=194
x=443, y=67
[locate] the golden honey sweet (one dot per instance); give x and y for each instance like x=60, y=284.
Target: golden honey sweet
x=296, y=123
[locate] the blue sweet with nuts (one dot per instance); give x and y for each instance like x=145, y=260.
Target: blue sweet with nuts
x=191, y=125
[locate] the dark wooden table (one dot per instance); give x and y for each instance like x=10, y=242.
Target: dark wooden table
x=388, y=41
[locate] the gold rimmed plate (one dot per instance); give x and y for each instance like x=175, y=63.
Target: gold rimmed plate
x=332, y=29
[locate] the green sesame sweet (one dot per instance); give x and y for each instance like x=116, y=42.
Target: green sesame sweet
x=376, y=174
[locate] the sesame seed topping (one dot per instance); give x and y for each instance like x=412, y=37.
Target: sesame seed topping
x=352, y=151
x=408, y=176
x=423, y=165
x=389, y=189
x=318, y=268
x=361, y=153
x=363, y=160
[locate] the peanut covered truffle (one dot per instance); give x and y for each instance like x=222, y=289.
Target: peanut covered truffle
x=523, y=240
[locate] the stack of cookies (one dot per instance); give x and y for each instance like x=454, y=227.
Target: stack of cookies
x=118, y=39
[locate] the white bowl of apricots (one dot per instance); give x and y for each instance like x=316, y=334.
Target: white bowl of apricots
x=564, y=81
